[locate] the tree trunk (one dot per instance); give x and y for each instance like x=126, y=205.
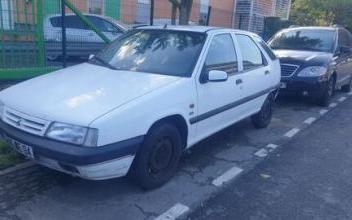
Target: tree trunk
x=173, y=14
x=185, y=11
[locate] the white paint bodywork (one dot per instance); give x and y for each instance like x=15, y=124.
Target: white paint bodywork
x=124, y=104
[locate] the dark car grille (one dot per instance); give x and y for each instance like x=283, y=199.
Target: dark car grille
x=288, y=70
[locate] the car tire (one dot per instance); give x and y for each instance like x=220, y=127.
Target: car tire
x=263, y=118
x=329, y=91
x=157, y=160
x=347, y=88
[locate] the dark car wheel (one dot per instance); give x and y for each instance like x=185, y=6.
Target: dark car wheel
x=158, y=158
x=263, y=118
x=329, y=91
x=347, y=88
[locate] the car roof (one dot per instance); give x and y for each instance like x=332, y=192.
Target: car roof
x=314, y=28
x=194, y=28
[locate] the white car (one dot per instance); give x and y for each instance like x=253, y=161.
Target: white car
x=81, y=40
x=138, y=104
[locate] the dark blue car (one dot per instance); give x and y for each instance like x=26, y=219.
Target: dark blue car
x=315, y=61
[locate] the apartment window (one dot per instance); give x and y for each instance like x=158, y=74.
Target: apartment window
x=96, y=7
x=6, y=17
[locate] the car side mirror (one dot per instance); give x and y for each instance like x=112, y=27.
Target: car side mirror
x=217, y=76
x=91, y=56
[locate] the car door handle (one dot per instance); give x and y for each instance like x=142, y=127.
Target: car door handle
x=238, y=81
x=267, y=72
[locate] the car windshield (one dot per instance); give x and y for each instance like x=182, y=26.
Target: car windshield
x=301, y=39
x=164, y=52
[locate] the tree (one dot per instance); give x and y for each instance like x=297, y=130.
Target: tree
x=184, y=7
x=322, y=12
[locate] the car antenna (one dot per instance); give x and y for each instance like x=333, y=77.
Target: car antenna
x=165, y=26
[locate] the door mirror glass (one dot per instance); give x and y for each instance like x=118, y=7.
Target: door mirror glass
x=91, y=56
x=217, y=76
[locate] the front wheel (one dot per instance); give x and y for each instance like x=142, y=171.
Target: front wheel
x=158, y=158
x=263, y=118
x=324, y=100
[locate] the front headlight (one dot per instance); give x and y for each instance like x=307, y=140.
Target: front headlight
x=73, y=134
x=313, y=71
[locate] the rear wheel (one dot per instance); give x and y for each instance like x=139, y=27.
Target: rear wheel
x=263, y=118
x=324, y=100
x=157, y=160
x=347, y=88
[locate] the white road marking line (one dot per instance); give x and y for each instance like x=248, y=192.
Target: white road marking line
x=292, y=132
x=261, y=153
x=323, y=111
x=310, y=120
x=333, y=105
x=227, y=176
x=174, y=212
x=342, y=99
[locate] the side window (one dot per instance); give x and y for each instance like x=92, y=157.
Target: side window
x=251, y=54
x=344, y=40
x=110, y=27
x=74, y=22
x=222, y=55
x=97, y=22
x=70, y=21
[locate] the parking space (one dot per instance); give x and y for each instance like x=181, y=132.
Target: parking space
x=202, y=172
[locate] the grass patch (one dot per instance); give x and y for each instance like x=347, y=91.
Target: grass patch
x=8, y=157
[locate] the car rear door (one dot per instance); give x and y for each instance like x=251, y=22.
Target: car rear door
x=217, y=100
x=256, y=73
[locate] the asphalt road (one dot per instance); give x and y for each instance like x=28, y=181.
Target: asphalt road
x=227, y=157
x=309, y=178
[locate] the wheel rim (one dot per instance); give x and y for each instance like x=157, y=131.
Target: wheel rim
x=161, y=156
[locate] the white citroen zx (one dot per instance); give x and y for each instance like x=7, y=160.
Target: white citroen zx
x=140, y=102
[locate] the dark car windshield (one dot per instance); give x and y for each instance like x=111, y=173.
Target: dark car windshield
x=303, y=39
x=165, y=52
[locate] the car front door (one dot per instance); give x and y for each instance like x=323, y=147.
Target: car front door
x=217, y=100
x=256, y=74
x=75, y=29
x=343, y=59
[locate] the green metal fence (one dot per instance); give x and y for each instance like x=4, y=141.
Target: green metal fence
x=22, y=50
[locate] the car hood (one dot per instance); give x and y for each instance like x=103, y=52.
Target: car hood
x=303, y=57
x=81, y=93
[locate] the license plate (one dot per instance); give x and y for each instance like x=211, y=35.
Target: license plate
x=21, y=148
x=283, y=85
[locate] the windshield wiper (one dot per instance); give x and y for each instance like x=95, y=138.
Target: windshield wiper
x=106, y=64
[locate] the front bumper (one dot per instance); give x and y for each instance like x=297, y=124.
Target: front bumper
x=311, y=87
x=103, y=162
